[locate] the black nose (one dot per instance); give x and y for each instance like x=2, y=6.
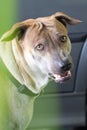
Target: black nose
x=66, y=66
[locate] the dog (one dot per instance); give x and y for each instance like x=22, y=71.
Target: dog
x=31, y=53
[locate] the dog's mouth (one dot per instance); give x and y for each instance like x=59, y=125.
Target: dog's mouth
x=60, y=78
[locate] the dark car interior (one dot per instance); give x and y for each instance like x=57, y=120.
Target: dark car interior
x=62, y=106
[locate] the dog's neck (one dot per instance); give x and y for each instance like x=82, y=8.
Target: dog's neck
x=33, y=80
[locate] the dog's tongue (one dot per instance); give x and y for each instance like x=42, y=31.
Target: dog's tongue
x=65, y=74
x=60, y=77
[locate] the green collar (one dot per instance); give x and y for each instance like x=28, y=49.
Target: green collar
x=21, y=88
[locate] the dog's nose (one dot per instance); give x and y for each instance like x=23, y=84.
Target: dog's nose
x=66, y=66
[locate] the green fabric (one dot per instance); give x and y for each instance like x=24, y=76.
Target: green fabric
x=21, y=88
x=8, y=14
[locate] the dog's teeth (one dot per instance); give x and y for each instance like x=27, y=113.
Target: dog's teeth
x=69, y=73
x=57, y=77
x=60, y=77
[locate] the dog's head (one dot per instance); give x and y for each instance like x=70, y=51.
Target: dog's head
x=45, y=45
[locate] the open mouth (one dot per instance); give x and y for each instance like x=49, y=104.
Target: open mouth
x=60, y=78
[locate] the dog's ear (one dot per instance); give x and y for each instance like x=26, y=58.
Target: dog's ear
x=65, y=19
x=17, y=30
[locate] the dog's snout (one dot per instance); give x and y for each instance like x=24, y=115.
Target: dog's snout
x=66, y=66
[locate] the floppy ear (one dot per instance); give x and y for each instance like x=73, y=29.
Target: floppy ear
x=17, y=30
x=65, y=19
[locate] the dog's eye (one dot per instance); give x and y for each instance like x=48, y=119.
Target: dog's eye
x=40, y=47
x=63, y=39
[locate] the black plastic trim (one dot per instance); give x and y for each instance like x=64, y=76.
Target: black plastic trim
x=81, y=78
x=78, y=37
